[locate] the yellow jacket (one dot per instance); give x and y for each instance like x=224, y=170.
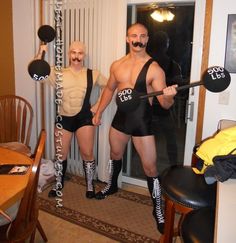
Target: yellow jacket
x=220, y=144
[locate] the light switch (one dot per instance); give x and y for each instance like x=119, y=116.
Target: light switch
x=224, y=98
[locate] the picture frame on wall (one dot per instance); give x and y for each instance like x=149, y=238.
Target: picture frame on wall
x=230, y=51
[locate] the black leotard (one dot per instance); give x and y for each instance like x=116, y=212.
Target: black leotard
x=137, y=122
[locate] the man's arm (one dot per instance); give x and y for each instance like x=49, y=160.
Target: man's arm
x=41, y=49
x=101, y=81
x=106, y=97
x=158, y=83
x=52, y=77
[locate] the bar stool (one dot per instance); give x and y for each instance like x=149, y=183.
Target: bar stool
x=198, y=226
x=183, y=191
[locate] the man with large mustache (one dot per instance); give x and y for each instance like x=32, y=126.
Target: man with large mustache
x=75, y=113
x=138, y=71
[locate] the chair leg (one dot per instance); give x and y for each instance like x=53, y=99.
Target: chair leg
x=169, y=222
x=180, y=222
x=182, y=219
x=41, y=231
x=32, y=236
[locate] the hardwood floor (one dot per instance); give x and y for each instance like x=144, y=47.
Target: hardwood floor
x=61, y=231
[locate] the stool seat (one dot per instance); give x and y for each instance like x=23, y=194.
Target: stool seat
x=198, y=226
x=187, y=188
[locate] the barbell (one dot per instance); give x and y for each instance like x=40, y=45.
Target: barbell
x=214, y=79
x=39, y=69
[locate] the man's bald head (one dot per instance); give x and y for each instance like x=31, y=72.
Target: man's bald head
x=77, y=45
x=137, y=25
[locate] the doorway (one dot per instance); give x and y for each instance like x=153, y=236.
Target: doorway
x=169, y=126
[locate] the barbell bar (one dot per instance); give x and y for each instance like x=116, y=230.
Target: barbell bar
x=215, y=79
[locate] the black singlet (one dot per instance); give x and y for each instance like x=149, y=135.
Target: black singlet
x=137, y=122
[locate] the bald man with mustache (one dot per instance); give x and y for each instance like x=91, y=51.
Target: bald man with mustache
x=138, y=71
x=75, y=112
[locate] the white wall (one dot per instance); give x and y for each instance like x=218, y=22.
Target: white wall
x=23, y=33
x=213, y=110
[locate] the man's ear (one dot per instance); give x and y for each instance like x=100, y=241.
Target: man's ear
x=127, y=39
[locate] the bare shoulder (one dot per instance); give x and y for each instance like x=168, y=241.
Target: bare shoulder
x=118, y=62
x=155, y=77
x=155, y=71
x=95, y=72
x=156, y=67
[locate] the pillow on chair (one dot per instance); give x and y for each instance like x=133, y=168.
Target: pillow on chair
x=11, y=212
x=46, y=174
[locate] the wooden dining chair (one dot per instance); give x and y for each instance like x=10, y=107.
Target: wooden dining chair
x=26, y=221
x=15, y=123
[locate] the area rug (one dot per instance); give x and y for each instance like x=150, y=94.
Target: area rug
x=124, y=216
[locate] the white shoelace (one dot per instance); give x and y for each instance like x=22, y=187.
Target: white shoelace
x=110, y=171
x=90, y=169
x=156, y=193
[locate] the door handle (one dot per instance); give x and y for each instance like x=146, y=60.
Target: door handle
x=189, y=111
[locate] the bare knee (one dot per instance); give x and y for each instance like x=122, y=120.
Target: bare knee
x=116, y=152
x=61, y=152
x=150, y=170
x=87, y=154
x=116, y=155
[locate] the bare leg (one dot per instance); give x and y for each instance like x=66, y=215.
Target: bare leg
x=118, y=142
x=146, y=149
x=62, y=141
x=85, y=139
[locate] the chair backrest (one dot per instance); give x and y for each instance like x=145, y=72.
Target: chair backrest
x=15, y=120
x=225, y=123
x=27, y=216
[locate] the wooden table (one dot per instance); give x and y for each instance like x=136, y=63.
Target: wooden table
x=12, y=186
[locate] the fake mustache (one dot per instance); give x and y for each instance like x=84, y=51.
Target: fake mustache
x=76, y=59
x=135, y=44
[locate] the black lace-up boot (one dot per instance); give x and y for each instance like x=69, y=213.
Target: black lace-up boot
x=53, y=193
x=111, y=187
x=89, y=171
x=155, y=192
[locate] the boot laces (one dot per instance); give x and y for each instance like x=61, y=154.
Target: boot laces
x=110, y=169
x=156, y=193
x=90, y=169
